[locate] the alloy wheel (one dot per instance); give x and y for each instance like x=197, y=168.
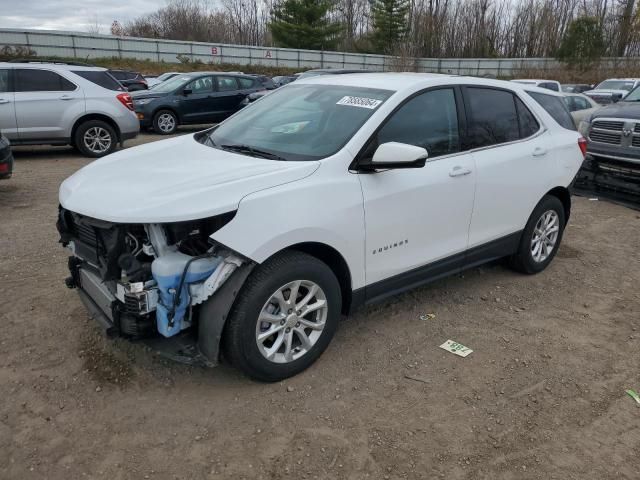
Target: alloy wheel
x=166, y=122
x=291, y=321
x=97, y=139
x=545, y=236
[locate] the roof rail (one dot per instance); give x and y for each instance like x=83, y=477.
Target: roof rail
x=49, y=60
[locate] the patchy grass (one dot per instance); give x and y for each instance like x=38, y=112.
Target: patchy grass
x=148, y=67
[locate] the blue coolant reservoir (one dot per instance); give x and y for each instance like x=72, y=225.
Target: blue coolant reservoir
x=167, y=271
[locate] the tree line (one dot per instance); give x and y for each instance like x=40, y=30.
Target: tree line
x=574, y=30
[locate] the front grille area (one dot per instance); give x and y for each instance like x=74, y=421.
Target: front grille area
x=86, y=234
x=635, y=142
x=605, y=137
x=602, y=100
x=609, y=125
x=636, y=129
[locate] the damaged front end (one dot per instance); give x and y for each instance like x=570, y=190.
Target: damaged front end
x=156, y=281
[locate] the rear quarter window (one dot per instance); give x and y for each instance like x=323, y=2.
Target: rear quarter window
x=247, y=82
x=102, y=79
x=555, y=107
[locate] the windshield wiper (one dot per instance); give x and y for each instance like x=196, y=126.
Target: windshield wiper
x=254, y=152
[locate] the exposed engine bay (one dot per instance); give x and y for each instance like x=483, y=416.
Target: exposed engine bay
x=146, y=278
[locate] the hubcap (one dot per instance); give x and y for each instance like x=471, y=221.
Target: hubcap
x=291, y=321
x=97, y=139
x=166, y=122
x=545, y=236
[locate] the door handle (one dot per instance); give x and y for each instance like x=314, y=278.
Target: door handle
x=66, y=97
x=3, y=100
x=539, y=152
x=459, y=171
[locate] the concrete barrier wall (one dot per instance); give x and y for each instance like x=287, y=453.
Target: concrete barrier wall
x=84, y=47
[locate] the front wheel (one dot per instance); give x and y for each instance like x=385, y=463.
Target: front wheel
x=284, y=318
x=541, y=236
x=165, y=122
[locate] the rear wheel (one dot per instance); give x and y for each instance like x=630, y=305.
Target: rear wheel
x=541, y=237
x=165, y=122
x=284, y=318
x=95, y=138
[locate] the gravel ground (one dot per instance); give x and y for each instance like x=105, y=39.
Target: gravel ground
x=541, y=397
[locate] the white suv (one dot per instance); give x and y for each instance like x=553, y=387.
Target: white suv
x=64, y=104
x=330, y=193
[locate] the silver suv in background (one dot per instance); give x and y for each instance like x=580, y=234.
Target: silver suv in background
x=65, y=104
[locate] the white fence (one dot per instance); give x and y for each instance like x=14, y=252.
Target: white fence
x=83, y=46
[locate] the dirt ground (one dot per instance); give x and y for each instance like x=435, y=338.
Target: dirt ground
x=541, y=397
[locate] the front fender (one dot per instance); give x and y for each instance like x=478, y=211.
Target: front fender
x=323, y=208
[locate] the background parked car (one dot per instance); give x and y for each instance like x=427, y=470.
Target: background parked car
x=329, y=71
x=280, y=81
x=576, y=87
x=192, y=98
x=612, y=90
x=548, y=84
x=6, y=158
x=132, y=81
x=580, y=106
x=160, y=78
x=265, y=81
x=65, y=104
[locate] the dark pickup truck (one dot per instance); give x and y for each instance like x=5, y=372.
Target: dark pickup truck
x=612, y=166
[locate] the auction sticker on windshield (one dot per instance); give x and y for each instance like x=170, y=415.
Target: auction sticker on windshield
x=361, y=102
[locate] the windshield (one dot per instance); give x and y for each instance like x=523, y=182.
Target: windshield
x=172, y=84
x=616, y=85
x=634, y=96
x=300, y=122
x=166, y=76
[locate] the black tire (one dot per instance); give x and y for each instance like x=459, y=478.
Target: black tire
x=523, y=261
x=90, y=130
x=239, y=344
x=165, y=128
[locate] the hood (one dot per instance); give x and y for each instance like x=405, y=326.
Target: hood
x=172, y=180
x=140, y=94
x=606, y=93
x=621, y=109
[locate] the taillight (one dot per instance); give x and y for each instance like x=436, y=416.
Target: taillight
x=126, y=100
x=582, y=144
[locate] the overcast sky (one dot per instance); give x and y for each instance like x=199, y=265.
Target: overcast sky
x=76, y=15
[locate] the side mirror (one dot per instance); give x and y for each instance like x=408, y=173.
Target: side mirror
x=187, y=91
x=398, y=155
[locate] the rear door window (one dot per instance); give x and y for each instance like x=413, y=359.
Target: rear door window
x=226, y=84
x=493, y=117
x=246, y=82
x=33, y=80
x=556, y=108
x=103, y=79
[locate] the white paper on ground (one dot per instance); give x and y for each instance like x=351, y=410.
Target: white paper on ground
x=456, y=348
